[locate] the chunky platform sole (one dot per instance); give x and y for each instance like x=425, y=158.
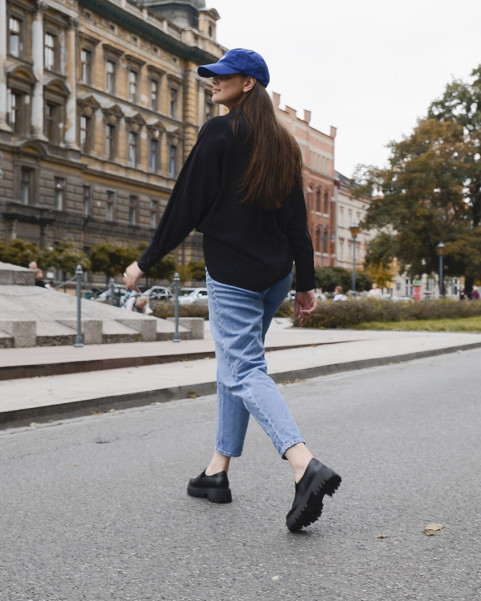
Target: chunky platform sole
x=215, y=495
x=325, y=482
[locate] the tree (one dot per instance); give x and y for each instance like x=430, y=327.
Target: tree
x=461, y=103
x=197, y=269
x=110, y=258
x=19, y=252
x=65, y=255
x=328, y=278
x=423, y=200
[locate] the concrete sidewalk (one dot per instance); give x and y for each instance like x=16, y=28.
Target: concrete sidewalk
x=161, y=371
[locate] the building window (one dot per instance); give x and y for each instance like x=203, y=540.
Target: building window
x=110, y=205
x=84, y=133
x=26, y=186
x=133, y=86
x=154, y=152
x=154, y=217
x=14, y=110
x=50, y=51
x=173, y=161
x=326, y=203
x=133, y=210
x=154, y=94
x=318, y=201
x=15, y=41
x=86, y=65
x=173, y=102
x=110, y=67
x=132, y=149
x=52, y=122
x=59, y=193
x=87, y=200
x=110, y=141
x=209, y=108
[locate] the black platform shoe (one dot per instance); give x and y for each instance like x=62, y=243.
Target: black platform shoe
x=318, y=480
x=215, y=488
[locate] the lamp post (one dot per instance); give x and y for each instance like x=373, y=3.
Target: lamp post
x=354, y=232
x=440, y=250
x=323, y=244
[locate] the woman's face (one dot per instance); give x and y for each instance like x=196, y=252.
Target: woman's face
x=229, y=89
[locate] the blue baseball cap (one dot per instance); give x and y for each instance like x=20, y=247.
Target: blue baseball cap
x=238, y=60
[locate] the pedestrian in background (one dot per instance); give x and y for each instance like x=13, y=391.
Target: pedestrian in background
x=241, y=186
x=39, y=278
x=375, y=293
x=140, y=304
x=339, y=294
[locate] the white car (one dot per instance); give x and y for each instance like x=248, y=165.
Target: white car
x=196, y=295
x=158, y=293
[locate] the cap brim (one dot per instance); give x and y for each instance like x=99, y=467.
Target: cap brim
x=215, y=69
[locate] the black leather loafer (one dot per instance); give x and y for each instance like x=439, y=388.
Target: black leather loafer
x=215, y=488
x=318, y=480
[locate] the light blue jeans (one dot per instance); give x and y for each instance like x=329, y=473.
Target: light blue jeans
x=239, y=320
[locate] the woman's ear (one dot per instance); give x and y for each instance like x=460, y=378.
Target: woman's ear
x=249, y=83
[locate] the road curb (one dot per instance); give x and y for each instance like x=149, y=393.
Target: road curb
x=46, y=413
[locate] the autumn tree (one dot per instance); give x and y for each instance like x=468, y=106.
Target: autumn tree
x=424, y=198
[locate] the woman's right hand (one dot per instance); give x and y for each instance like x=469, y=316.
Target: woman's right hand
x=132, y=275
x=305, y=304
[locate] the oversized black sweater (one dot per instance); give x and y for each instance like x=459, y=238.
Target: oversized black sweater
x=243, y=246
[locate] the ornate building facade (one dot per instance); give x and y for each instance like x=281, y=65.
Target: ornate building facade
x=350, y=210
x=318, y=178
x=100, y=103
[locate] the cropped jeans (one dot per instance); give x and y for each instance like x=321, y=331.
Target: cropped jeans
x=239, y=320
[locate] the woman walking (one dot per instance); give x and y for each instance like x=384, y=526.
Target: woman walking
x=241, y=186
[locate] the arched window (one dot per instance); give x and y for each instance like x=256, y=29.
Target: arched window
x=326, y=202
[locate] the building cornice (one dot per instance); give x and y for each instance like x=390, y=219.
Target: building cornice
x=124, y=18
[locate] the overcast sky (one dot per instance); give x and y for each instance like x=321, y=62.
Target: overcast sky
x=368, y=67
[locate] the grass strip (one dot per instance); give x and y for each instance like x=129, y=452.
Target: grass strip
x=465, y=324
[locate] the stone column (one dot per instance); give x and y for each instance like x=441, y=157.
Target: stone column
x=71, y=106
x=37, y=56
x=3, y=59
x=191, y=123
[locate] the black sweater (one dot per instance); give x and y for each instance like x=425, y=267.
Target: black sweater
x=243, y=246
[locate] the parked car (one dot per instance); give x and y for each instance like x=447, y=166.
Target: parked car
x=158, y=293
x=119, y=292
x=193, y=295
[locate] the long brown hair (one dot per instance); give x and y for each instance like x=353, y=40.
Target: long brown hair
x=275, y=165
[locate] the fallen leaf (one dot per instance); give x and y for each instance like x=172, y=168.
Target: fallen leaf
x=382, y=535
x=432, y=529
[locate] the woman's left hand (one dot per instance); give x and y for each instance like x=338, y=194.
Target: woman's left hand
x=132, y=275
x=305, y=304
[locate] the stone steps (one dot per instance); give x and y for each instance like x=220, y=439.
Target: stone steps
x=33, y=316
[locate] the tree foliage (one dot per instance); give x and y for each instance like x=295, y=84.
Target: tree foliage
x=328, y=278
x=423, y=198
x=65, y=255
x=112, y=259
x=197, y=269
x=19, y=252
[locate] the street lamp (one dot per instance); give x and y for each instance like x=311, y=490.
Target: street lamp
x=440, y=250
x=323, y=244
x=354, y=232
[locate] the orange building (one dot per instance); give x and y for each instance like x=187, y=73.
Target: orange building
x=319, y=176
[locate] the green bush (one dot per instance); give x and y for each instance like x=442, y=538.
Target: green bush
x=163, y=309
x=353, y=312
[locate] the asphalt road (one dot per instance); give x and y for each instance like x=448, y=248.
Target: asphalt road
x=95, y=509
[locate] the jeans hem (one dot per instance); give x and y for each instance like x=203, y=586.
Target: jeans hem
x=288, y=445
x=227, y=453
